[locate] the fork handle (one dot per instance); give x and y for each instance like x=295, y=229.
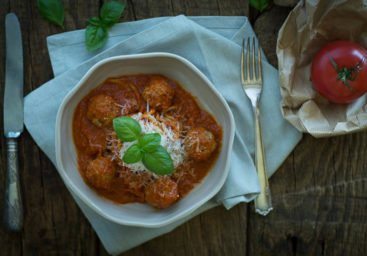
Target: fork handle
x=263, y=201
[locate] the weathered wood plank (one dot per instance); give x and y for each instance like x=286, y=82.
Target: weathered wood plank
x=149, y=8
x=267, y=27
x=10, y=242
x=68, y=231
x=215, y=232
x=129, y=13
x=233, y=8
x=317, y=214
x=319, y=193
x=53, y=223
x=195, y=8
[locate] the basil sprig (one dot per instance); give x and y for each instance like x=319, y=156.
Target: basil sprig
x=52, y=10
x=96, y=34
x=146, y=149
x=259, y=5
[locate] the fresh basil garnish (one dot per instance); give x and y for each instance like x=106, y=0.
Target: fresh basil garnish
x=133, y=154
x=148, y=148
x=149, y=142
x=95, y=37
x=52, y=10
x=96, y=33
x=126, y=128
x=158, y=161
x=111, y=12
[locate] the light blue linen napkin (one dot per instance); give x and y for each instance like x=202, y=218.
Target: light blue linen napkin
x=213, y=45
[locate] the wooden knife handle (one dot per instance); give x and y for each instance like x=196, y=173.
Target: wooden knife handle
x=13, y=208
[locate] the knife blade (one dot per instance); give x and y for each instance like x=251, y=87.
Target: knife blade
x=13, y=120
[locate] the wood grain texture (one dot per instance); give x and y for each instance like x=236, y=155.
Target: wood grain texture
x=319, y=198
x=10, y=242
x=319, y=193
x=267, y=26
x=53, y=223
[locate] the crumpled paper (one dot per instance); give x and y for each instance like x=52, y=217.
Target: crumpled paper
x=308, y=27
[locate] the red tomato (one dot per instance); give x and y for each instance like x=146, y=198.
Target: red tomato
x=339, y=71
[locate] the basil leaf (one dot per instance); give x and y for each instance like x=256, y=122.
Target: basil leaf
x=95, y=37
x=52, y=10
x=96, y=33
x=132, y=155
x=159, y=161
x=259, y=5
x=96, y=21
x=111, y=12
x=149, y=142
x=126, y=128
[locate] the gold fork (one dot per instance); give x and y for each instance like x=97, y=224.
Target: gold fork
x=251, y=78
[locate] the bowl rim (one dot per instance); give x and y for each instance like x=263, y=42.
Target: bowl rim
x=85, y=199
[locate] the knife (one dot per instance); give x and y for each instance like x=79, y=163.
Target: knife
x=13, y=121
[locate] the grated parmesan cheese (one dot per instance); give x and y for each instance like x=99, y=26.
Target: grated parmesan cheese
x=170, y=139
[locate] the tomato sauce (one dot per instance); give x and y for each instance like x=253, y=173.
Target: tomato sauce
x=90, y=140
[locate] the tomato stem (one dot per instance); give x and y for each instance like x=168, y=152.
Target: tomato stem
x=346, y=74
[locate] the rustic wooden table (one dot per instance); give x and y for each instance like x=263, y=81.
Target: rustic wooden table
x=319, y=193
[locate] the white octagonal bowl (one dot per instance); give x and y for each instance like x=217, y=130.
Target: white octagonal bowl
x=178, y=69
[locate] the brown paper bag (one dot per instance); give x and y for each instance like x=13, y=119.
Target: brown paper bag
x=308, y=27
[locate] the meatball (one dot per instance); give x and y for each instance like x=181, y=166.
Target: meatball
x=102, y=109
x=134, y=182
x=199, y=144
x=100, y=172
x=129, y=97
x=92, y=143
x=161, y=193
x=129, y=105
x=158, y=93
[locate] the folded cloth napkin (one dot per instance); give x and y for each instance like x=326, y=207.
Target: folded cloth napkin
x=213, y=45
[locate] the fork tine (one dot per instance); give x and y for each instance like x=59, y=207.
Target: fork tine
x=248, y=59
x=254, y=77
x=243, y=61
x=259, y=62
x=251, y=62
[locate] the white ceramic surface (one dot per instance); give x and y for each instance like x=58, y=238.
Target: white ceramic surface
x=172, y=66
